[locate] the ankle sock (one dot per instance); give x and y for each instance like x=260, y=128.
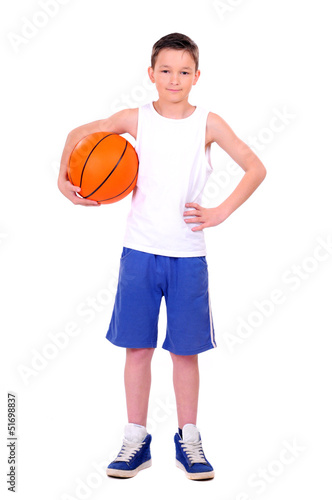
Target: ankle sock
x=180, y=432
x=135, y=433
x=190, y=433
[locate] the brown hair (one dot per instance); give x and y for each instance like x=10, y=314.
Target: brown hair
x=175, y=41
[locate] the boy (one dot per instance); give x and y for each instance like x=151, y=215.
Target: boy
x=164, y=250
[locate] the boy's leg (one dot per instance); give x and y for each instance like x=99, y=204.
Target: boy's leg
x=137, y=377
x=135, y=453
x=189, y=452
x=186, y=387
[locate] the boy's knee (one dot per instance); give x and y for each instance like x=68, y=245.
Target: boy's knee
x=143, y=354
x=192, y=358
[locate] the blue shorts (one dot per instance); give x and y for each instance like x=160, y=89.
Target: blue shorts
x=144, y=278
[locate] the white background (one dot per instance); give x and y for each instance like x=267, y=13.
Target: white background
x=269, y=387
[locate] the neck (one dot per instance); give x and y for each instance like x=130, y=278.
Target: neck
x=174, y=110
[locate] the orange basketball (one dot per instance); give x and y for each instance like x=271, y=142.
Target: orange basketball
x=105, y=166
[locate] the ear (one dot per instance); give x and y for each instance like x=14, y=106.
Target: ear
x=197, y=75
x=151, y=74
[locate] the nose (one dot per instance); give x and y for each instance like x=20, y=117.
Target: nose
x=174, y=79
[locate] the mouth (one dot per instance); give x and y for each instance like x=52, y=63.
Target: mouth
x=173, y=90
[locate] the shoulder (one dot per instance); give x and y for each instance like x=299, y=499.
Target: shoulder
x=215, y=121
x=217, y=129
x=124, y=121
x=128, y=116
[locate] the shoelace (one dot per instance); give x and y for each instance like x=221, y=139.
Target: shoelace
x=194, y=452
x=128, y=450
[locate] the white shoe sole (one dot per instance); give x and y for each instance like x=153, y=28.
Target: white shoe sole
x=128, y=473
x=196, y=475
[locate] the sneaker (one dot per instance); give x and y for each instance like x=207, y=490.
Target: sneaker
x=189, y=454
x=134, y=455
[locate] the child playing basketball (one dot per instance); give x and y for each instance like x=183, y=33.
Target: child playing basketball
x=164, y=252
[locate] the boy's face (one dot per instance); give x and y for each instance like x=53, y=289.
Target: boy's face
x=174, y=74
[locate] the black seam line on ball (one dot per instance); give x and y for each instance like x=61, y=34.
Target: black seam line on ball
x=109, y=175
x=86, y=161
x=122, y=191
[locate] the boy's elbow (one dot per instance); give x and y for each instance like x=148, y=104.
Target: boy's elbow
x=255, y=164
x=72, y=134
x=260, y=171
x=263, y=172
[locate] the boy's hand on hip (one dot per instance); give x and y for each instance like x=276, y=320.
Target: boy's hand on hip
x=207, y=217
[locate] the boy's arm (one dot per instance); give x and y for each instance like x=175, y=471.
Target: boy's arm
x=219, y=131
x=124, y=121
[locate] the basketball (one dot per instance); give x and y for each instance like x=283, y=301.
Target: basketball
x=104, y=166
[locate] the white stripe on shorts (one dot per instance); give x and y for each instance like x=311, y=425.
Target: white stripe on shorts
x=211, y=325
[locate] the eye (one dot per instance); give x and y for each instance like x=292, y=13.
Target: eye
x=165, y=71
x=185, y=72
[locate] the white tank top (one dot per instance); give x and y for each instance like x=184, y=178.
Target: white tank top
x=173, y=170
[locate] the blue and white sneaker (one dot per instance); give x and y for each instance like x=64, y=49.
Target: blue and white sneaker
x=189, y=454
x=134, y=455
